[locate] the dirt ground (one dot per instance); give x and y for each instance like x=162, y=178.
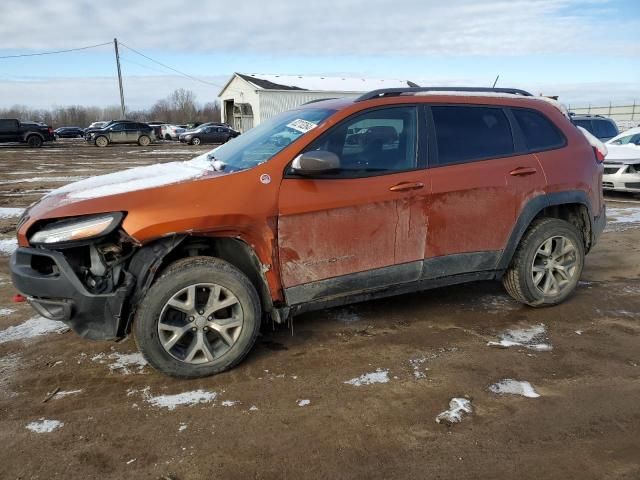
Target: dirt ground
x=287, y=413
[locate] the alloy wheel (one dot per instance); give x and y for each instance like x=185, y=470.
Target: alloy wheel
x=200, y=323
x=554, y=265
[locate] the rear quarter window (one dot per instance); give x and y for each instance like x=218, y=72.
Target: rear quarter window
x=539, y=132
x=465, y=134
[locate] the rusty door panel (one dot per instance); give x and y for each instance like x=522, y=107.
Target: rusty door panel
x=329, y=228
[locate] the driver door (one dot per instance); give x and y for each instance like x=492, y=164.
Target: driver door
x=117, y=133
x=363, y=227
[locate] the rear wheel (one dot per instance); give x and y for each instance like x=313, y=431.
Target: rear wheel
x=34, y=141
x=144, y=141
x=167, y=136
x=547, y=264
x=200, y=318
x=195, y=141
x=102, y=141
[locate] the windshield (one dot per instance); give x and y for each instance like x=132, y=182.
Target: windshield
x=267, y=139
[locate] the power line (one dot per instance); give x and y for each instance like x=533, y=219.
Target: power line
x=170, y=68
x=56, y=52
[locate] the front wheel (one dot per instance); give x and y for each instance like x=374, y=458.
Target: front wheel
x=102, y=141
x=200, y=318
x=144, y=141
x=195, y=141
x=547, y=264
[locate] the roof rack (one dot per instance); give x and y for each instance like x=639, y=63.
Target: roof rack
x=385, y=92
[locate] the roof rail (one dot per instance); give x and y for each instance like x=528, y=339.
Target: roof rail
x=384, y=92
x=319, y=100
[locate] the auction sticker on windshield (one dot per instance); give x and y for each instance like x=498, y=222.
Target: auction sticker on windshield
x=302, y=126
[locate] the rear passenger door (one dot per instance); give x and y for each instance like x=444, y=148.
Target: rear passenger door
x=481, y=176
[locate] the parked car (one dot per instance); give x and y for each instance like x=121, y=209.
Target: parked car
x=33, y=134
x=191, y=256
x=208, y=134
x=622, y=163
x=601, y=127
x=69, y=132
x=96, y=125
x=122, y=132
x=171, y=132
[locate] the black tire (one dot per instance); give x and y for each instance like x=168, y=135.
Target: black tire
x=195, y=141
x=179, y=275
x=518, y=280
x=144, y=141
x=167, y=136
x=34, y=141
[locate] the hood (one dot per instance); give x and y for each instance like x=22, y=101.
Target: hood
x=134, y=179
x=623, y=153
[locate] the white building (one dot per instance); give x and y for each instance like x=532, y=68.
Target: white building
x=248, y=99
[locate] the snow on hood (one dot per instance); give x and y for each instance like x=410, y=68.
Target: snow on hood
x=623, y=153
x=138, y=178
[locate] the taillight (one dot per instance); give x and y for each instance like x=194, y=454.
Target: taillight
x=599, y=155
x=50, y=130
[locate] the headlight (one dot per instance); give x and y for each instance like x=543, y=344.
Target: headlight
x=76, y=229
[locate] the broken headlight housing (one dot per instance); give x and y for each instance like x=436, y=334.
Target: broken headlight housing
x=76, y=229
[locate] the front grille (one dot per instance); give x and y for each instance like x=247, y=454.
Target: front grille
x=610, y=171
x=632, y=185
x=607, y=184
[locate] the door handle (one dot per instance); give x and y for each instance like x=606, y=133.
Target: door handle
x=404, y=186
x=523, y=171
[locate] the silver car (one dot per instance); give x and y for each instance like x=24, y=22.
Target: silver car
x=622, y=163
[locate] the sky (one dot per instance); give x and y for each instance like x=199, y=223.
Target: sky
x=587, y=52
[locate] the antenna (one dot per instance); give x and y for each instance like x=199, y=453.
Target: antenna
x=496, y=81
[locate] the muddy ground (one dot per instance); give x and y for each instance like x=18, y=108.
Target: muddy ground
x=286, y=412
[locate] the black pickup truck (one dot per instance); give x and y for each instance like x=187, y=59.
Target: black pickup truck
x=31, y=133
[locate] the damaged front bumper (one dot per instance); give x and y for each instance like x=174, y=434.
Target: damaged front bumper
x=60, y=295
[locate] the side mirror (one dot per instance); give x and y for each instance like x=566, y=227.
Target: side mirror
x=315, y=162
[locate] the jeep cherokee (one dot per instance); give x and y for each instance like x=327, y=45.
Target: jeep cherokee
x=334, y=202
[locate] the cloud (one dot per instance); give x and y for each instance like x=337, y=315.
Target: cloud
x=331, y=27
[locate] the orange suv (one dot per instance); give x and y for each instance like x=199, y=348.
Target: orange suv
x=337, y=201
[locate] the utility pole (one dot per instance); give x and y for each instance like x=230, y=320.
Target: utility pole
x=115, y=45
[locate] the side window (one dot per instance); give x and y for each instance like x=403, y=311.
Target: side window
x=8, y=125
x=118, y=127
x=539, y=133
x=464, y=133
x=604, y=129
x=377, y=141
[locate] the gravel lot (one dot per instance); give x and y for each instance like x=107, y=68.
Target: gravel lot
x=347, y=393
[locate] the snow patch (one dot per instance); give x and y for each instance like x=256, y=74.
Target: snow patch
x=32, y=328
x=303, y=403
x=9, y=212
x=379, y=376
x=623, y=215
x=229, y=403
x=509, y=386
x=533, y=338
x=6, y=311
x=182, y=427
x=458, y=408
x=417, y=365
x=187, y=398
x=44, y=426
x=125, y=363
x=8, y=246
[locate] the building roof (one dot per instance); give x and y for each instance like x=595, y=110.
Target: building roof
x=319, y=84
